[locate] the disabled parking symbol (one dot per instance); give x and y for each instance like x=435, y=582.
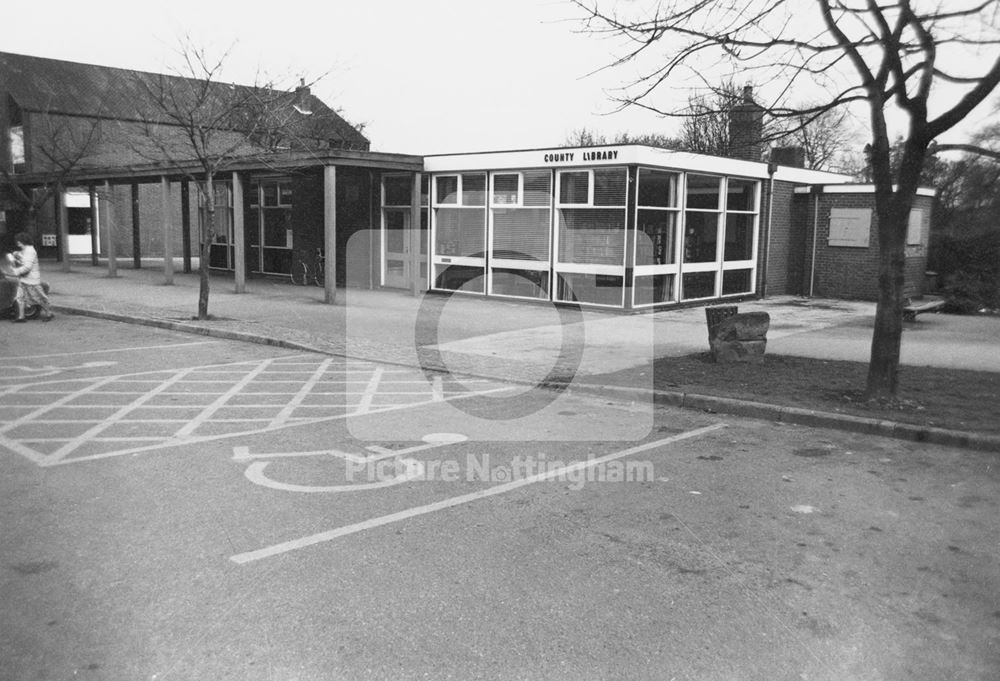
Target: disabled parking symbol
x=380, y=467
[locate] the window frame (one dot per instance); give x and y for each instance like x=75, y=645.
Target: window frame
x=436, y=260
x=560, y=267
x=668, y=269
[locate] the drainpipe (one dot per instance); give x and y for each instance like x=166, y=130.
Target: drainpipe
x=816, y=191
x=772, y=168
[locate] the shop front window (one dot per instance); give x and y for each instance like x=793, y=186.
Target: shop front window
x=459, y=228
x=656, y=237
x=720, y=229
x=521, y=229
x=591, y=222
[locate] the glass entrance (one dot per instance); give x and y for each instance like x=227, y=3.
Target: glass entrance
x=396, y=254
x=397, y=235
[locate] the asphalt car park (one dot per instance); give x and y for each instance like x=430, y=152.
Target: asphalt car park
x=177, y=507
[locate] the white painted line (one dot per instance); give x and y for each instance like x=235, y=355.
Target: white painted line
x=365, y=405
x=114, y=350
x=255, y=474
x=243, y=454
x=20, y=448
x=167, y=443
x=329, y=535
x=221, y=401
x=111, y=420
x=54, y=405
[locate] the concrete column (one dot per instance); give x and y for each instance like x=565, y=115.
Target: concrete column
x=239, y=236
x=168, y=252
x=330, y=233
x=63, y=219
x=95, y=245
x=136, y=234
x=416, y=285
x=109, y=219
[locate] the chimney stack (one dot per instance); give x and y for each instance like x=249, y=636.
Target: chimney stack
x=746, y=128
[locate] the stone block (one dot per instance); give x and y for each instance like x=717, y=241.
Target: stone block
x=745, y=326
x=728, y=351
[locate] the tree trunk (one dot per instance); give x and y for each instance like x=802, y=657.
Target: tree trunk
x=203, y=285
x=883, y=367
x=207, y=236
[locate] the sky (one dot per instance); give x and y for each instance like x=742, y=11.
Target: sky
x=424, y=76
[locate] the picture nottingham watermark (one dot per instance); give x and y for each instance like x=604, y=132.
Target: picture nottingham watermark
x=483, y=468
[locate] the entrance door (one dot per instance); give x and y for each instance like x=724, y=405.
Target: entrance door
x=79, y=228
x=396, y=248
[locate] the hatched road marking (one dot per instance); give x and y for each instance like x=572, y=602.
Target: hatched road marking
x=57, y=422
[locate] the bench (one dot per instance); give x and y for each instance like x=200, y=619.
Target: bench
x=915, y=307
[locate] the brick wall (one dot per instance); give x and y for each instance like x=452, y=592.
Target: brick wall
x=851, y=272
x=783, y=244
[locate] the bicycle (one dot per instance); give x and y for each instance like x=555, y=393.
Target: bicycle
x=302, y=274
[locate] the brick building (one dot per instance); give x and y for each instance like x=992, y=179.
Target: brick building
x=621, y=226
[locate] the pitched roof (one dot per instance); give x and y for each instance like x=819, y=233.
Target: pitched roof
x=62, y=87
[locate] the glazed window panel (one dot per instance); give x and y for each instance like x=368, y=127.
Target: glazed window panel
x=277, y=224
x=521, y=233
x=574, y=187
x=592, y=236
x=736, y=281
x=521, y=283
x=506, y=189
x=474, y=189
x=460, y=232
x=653, y=289
x=395, y=230
x=597, y=289
x=270, y=192
x=657, y=189
x=398, y=190
x=610, y=186
x=701, y=237
x=741, y=195
x=703, y=192
x=459, y=278
x=446, y=189
x=537, y=188
x=699, y=285
x=657, y=237
x=739, y=237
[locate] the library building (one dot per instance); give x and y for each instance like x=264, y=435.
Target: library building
x=616, y=227
x=633, y=227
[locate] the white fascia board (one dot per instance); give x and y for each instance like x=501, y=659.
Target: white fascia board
x=805, y=176
x=857, y=189
x=588, y=157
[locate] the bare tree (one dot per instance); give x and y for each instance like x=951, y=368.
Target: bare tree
x=882, y=55
x=706, y=122
x=59, y=145
x=649, y=139
x=199, y=126
x=584, y=137
x=825, y=138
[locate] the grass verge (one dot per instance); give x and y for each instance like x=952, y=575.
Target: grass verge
x=927, y=396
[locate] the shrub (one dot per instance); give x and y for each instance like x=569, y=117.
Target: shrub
x=971, y=266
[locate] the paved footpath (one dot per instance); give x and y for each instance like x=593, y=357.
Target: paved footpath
x=521, y=342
